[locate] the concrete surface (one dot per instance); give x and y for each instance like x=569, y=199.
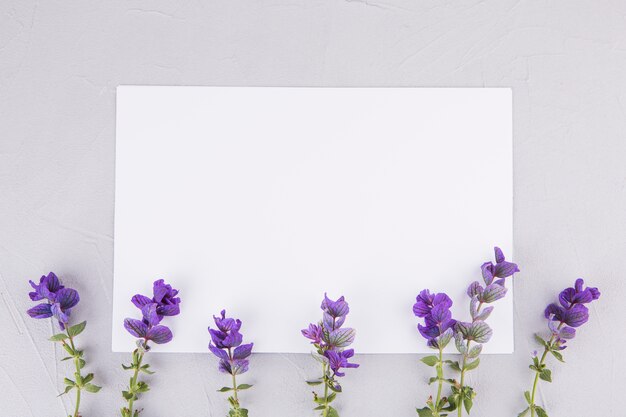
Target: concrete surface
x=60, y=62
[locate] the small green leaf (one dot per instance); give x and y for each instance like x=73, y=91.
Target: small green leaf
x=67, y=389
x=467, y=403
x=455, y=366
x=332, y=412
x=527, y=396
x=244, y=386
x=546, y=375
x=472, y=365
x=557, y=355
x=224, y=389
x=540, y=340
x=523, y=413
x=313, y=383
x=69, y=382
x=77, y=329
x=430, y=360
x=92, y=388
x=58, y=337
x=424, y=412
x=541, y=412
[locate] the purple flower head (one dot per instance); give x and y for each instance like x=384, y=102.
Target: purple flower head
x=224, y=339
x=338, y=360
x=164, y=296
x=571, y=311
x=314, y=332
x=60, y=300
x=502, y=269
x=435, y=310
x=335, y=309
x=163, y=303
x=47, y=287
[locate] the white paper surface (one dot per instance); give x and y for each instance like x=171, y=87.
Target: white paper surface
x=258, y=200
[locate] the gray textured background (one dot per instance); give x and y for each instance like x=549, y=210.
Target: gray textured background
x=60, y=62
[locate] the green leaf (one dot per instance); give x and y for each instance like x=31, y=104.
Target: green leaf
x=332, y=412
x=546, y=375
x=424, y=412
x=69, y=382
x=557, y=355
x=224, y=389
x=472, y=365
x=430, y=360
x=58, y=337
x=88, y=378
x=92, y=388
x=67, y=389
x=455, y=366
x=81, y=363
x=540, y=340
x=244, y=386
x=527, y=396
x=313, y=383
x=523, y=413
x=467, y=403
x=541, y=412
x=77, y=329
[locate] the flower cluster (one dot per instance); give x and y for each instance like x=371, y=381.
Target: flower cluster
x=563, y=319
x=438, y=322
x=439, y=328
x=330, y=340
x=59, y=300
x=164, y=302
x=226, y=344
x=59, y=303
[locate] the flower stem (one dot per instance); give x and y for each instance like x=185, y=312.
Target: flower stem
x=236, y=400
x=536, y=381
x=440, y=378
x=133, y=382
x=77, y=375
x=462, y=381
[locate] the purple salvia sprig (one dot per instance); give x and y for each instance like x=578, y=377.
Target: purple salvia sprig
x=438, y=331
x=563, y=319
x=478, y=331
x=330, y=340
x=58, y=303
x=164, y=302
x=226, y=344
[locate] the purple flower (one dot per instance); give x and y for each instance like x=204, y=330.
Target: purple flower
x=47, y=287
x=502, y=269
x=60, y=300
x=339, y=360
x=571, y=312
x=164, y=303
x=328, y=336
x=224, y=339
x=435, y=310
x=164, y=296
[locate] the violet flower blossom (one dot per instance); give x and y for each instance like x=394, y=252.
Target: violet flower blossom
x=59, y=302
x=330, y=340
x=563, y=319
x=226, y=344
x=164, y=302
x=438, y=330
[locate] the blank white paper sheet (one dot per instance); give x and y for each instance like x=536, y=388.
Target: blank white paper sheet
x=258, y=200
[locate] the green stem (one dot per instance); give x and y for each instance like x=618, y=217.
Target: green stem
x=230, y=355
x=325, y=412
x=536, y=381
x=462, y=381
x=77, y=375
x=133, y=383
x=440, y=378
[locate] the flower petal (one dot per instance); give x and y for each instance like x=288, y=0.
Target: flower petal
x=222, y=354
x=243, y=351
x=141, y=300
x=67, y=298
x=40, y=311
x=159, y=334
x=136, y=327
